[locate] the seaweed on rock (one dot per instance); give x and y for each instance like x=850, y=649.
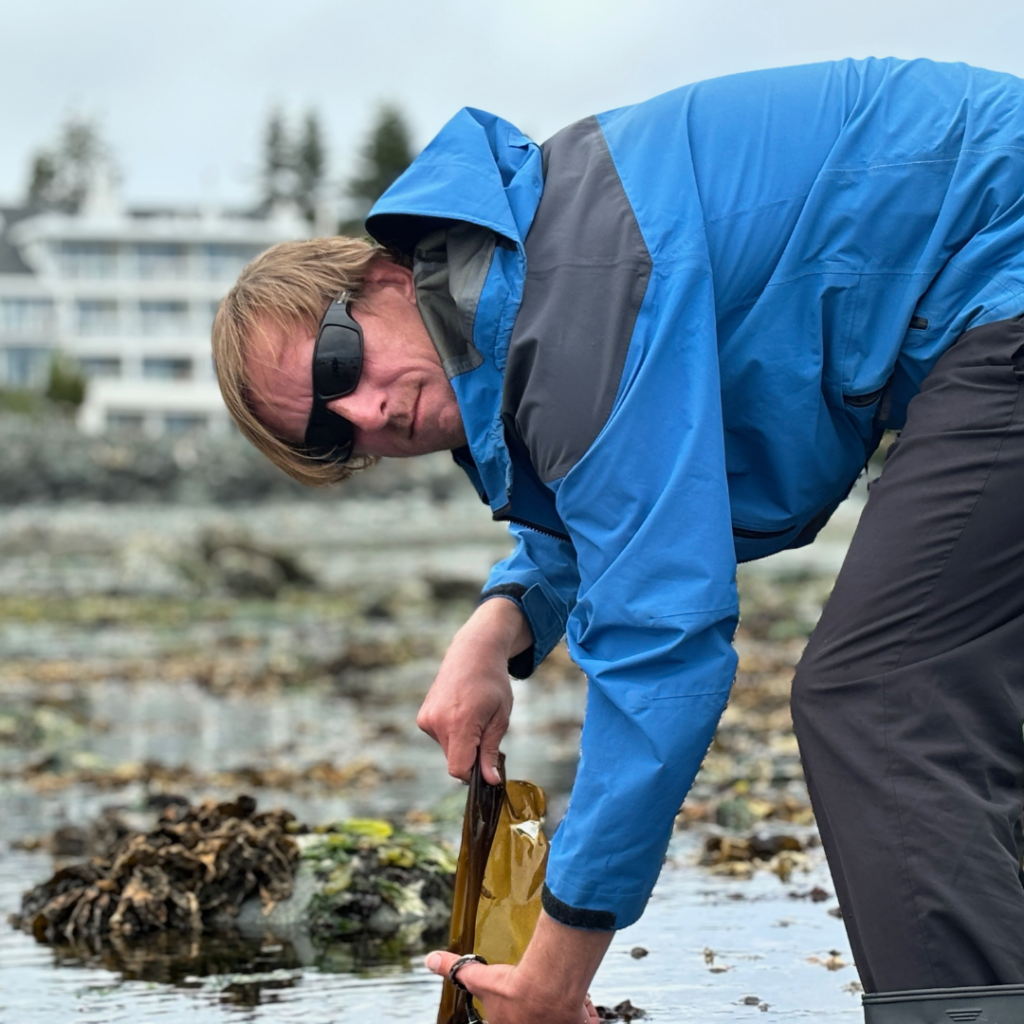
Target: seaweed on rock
x=375, y=879
x=197, y=862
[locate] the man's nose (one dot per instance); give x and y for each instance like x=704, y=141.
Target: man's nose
x=365, y=408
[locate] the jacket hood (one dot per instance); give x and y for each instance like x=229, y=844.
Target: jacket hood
x=479, y=169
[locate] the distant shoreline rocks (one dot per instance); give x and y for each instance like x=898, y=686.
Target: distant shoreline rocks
x=48, y=460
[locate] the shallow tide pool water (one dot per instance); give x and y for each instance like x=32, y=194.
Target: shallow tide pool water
x=765, y=944
x=111, y=689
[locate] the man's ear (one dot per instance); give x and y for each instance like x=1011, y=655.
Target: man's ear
x=386, y=274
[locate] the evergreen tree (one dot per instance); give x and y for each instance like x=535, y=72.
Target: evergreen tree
x=386, y=153
x=62, y=175
x=278, y=162
x=310, y=163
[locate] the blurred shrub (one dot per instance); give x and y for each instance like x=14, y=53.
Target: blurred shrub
x=21, y=400
x=66, y=383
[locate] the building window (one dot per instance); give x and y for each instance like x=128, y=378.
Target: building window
x=183, y=423
x=27, y=367
x=96, y=316
x=161, y=259
x=87, y=259
x=167, y=369
x=225, y=262
x=125, y=422
x=100, y=366
x=164, y=317
x=26, y=317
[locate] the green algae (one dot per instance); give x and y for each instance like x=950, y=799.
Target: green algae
x=377, y=879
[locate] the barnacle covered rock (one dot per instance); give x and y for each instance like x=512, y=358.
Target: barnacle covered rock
x=197, y=862
x=211, y=867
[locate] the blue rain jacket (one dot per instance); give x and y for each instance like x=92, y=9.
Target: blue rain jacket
x=675, y=333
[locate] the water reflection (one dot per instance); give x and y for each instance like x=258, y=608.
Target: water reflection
x=171, y=958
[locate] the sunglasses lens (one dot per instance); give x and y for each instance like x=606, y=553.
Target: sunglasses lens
x=337, y=365
x=337, y=361
x=329, y=436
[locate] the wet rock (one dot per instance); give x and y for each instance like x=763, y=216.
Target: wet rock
x=70, y=841
x=833, y=962
x=74, y=841
x=379, y=880
x=39, y=721
x=720, y=849
x=454, y=588
x=231, y=561
x=734, y=814
x=815, y=895
x=196, y=862
x=739, y=856
x=622, y=1011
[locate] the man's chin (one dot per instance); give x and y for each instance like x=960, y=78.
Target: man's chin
x=422, y=442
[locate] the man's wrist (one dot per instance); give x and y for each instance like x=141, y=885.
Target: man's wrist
x=500, y=620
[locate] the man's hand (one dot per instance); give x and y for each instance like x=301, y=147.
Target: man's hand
x=548, y=987
x=469, y=704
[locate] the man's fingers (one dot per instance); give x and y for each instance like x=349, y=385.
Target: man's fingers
x=490, y=741
x=491, y=981
x=472, y=975
x=461, y=754
x=460, y=750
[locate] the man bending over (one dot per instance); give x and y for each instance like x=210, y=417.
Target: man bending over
x=666, y=341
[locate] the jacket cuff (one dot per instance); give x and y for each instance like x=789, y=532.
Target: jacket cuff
x=545, y=624
x=576, y=917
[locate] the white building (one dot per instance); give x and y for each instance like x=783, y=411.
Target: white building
x=130, y=296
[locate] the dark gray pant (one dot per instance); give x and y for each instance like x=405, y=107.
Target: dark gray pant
x=909, y=701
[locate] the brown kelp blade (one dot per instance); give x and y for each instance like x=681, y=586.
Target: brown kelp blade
x=483, y=809
x=510, y=898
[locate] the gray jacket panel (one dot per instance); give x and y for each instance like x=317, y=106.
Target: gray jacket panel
x=587, y=269
x=449, y=269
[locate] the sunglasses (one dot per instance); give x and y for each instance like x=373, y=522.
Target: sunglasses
x=337, y=365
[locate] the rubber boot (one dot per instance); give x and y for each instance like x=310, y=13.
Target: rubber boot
x=994, y=1004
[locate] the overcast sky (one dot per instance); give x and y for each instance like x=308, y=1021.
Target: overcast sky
x=182, y=89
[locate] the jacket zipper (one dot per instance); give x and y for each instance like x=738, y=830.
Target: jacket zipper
x=500, y=517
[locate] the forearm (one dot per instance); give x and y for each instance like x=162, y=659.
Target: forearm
x=560, y=963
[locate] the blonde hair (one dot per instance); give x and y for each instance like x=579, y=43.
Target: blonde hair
x=288, y=286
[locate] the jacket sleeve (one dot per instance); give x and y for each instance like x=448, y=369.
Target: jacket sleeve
x=540, y=577
x=647, y=507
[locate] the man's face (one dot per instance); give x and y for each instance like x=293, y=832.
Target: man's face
x=403, y=404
